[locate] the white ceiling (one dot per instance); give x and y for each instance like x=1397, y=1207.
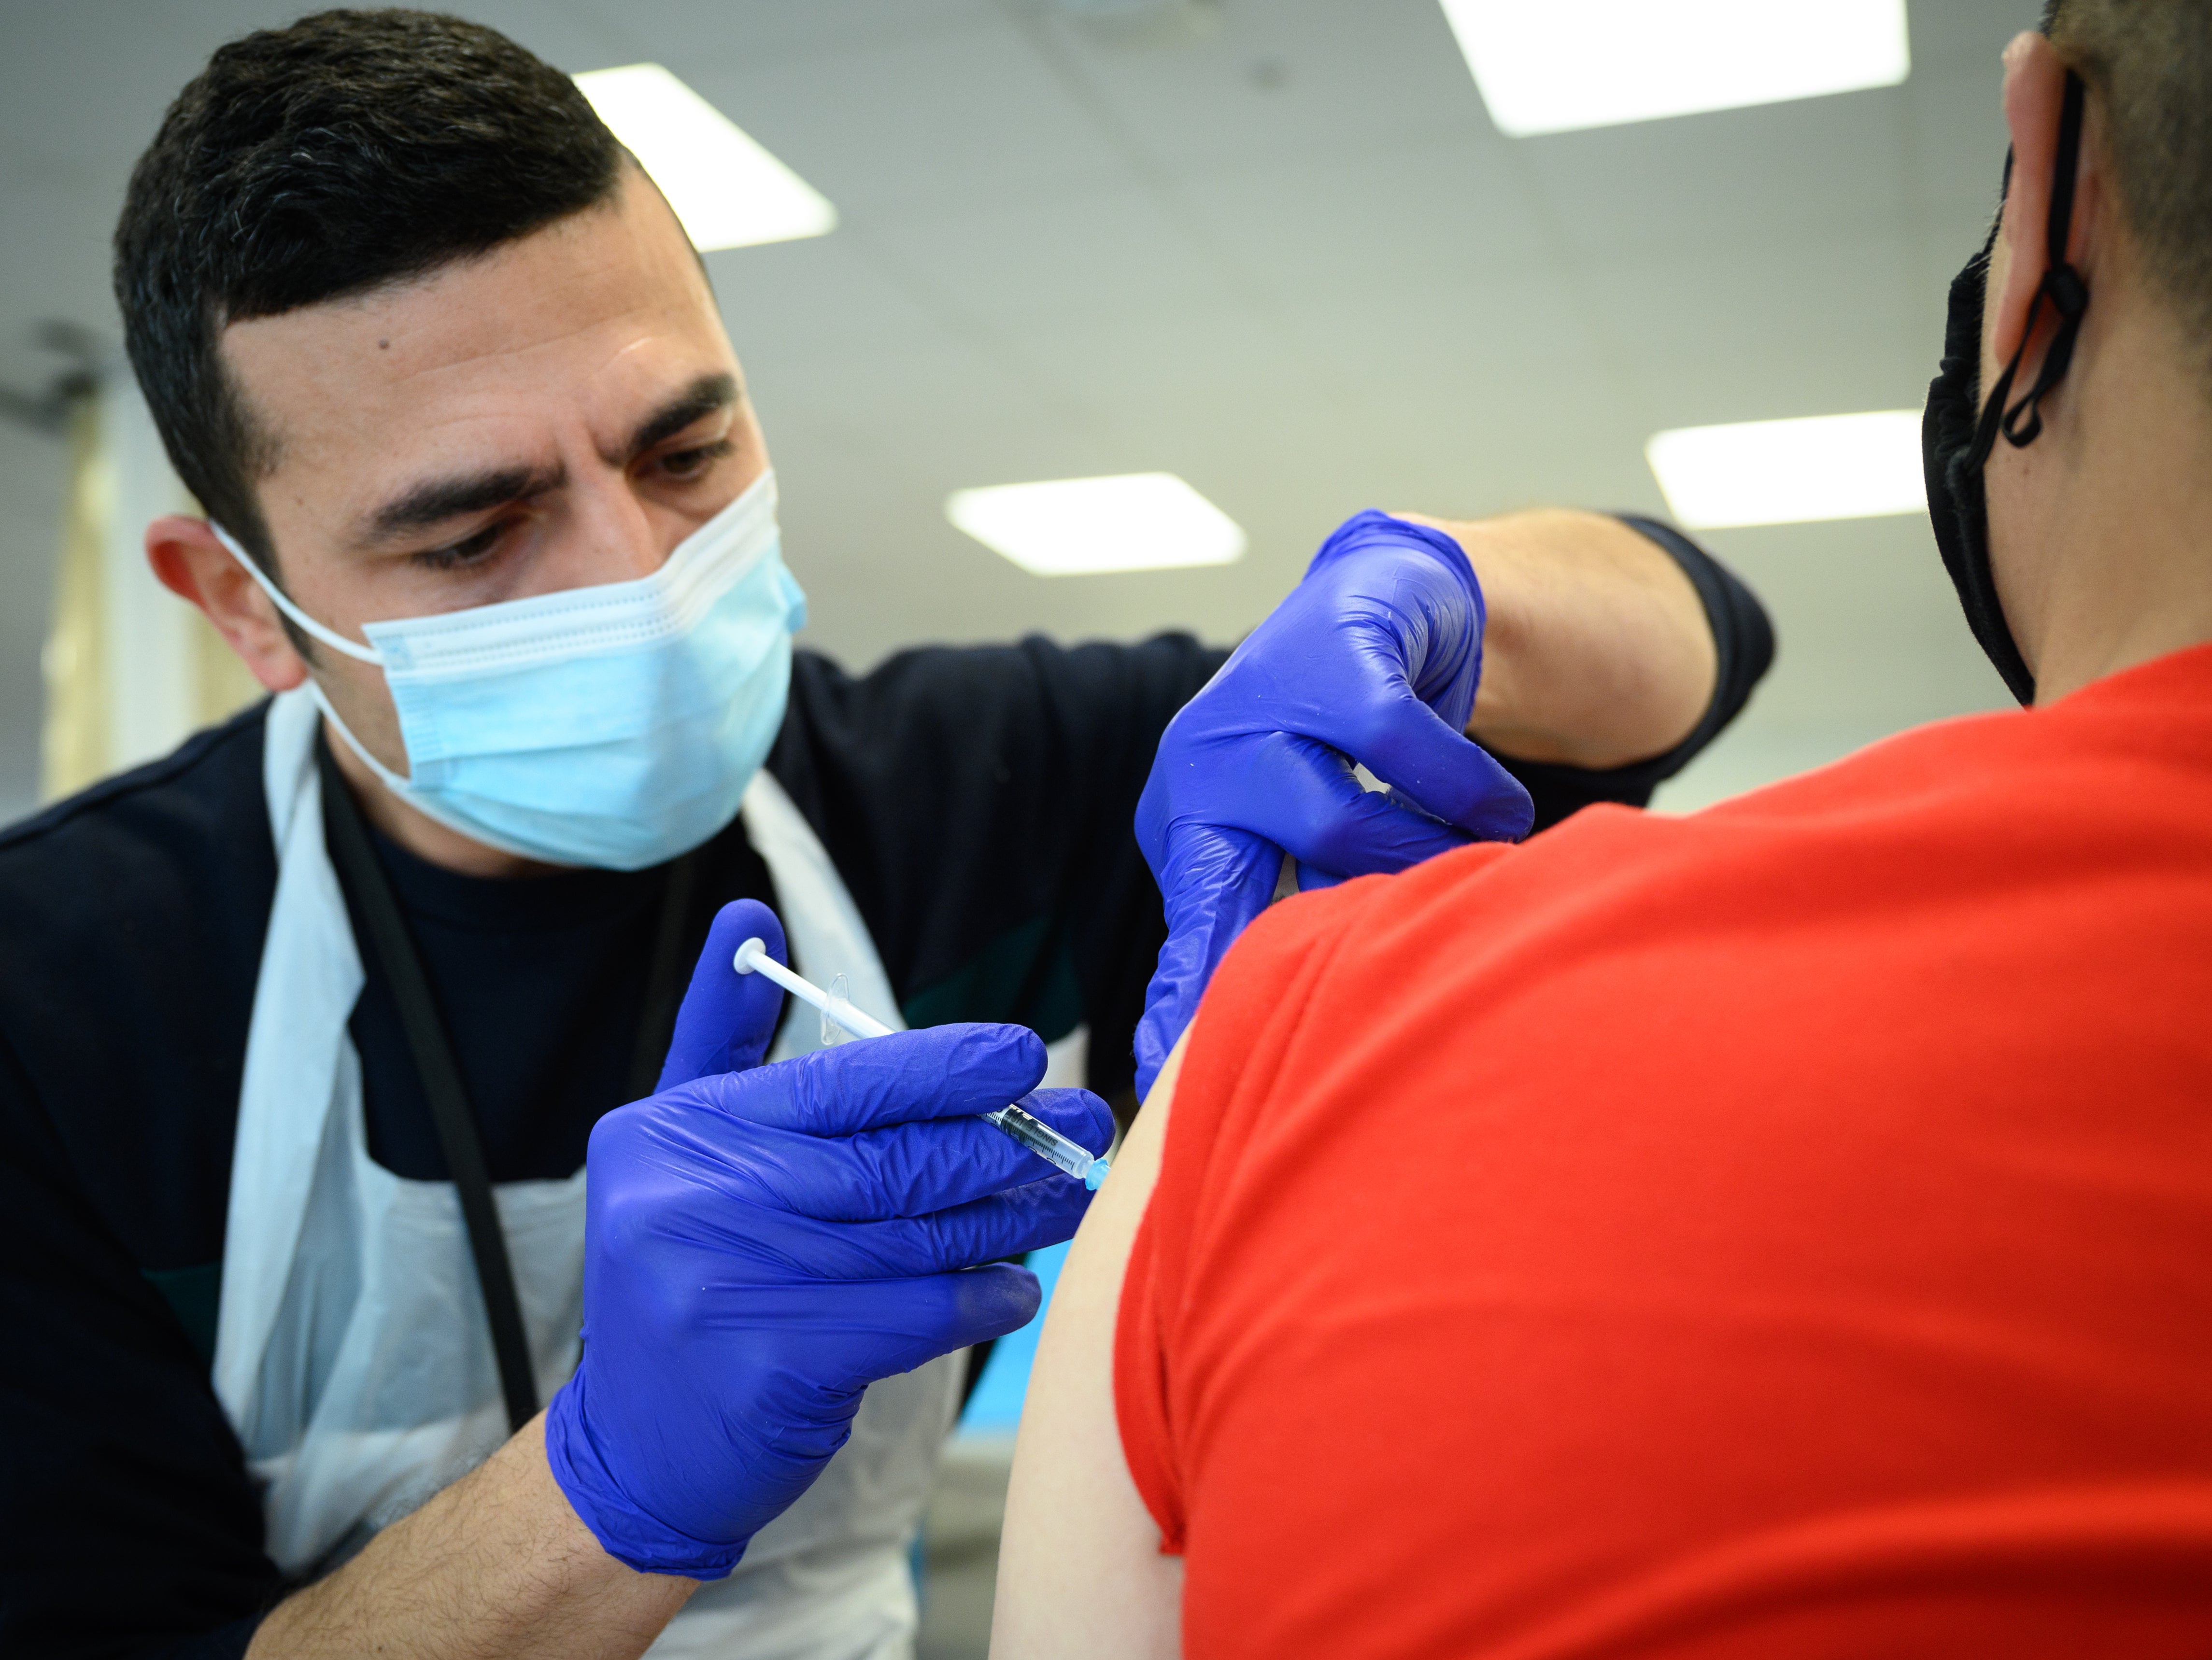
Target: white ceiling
x=1286, y=256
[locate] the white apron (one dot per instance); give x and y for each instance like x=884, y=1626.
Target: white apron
x=352, y=1354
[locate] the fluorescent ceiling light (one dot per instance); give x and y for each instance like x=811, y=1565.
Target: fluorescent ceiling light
x=1072, y=526
x=726, y=189
x=1557, y=65
x=1789, y=472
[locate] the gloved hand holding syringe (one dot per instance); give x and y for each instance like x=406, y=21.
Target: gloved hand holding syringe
x=1031, y=1131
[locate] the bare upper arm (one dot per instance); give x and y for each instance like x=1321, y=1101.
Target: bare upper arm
x=1079, y=1568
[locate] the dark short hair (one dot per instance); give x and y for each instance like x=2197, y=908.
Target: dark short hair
x=351, y=150
x=2149, y=63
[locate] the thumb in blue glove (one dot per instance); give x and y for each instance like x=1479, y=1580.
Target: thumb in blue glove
x=1373, y=658
x=727, y=1019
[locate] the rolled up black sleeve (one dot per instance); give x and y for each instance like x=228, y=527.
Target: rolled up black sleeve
x=1744, y=644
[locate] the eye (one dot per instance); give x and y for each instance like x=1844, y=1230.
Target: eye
x=473, y=550
x=686, y=465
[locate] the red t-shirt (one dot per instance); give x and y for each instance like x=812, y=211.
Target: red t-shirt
x=1782, y=1230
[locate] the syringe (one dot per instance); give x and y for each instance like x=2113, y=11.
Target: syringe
x=1031, y=1131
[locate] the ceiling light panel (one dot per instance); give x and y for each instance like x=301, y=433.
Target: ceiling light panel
x=1791, y=472
x=726, y=189
x=1558, y=65
x=1077, y=526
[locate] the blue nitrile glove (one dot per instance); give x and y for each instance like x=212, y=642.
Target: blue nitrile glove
x=1372, y=658
x=762, y=1242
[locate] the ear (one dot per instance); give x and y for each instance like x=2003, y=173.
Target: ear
x=191, y=564
x=2034, y=92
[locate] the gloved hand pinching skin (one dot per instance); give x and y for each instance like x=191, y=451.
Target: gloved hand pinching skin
x=763, y=1242
x=1373, y=658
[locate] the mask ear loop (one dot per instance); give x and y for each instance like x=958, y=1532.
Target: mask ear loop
x=282, y=601
x=2061, y=285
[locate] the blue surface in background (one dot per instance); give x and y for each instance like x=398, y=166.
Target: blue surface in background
x=996, y=1406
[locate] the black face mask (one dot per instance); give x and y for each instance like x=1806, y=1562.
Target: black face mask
x=1957, y=430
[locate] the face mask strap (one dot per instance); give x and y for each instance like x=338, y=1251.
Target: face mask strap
x=427, y=806
x=390, y=779
x=329, y=636
x=1985, y=425
x=2061, y=285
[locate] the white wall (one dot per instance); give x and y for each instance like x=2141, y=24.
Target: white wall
x=32, y=473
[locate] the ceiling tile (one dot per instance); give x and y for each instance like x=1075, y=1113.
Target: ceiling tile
x=1957, y=146
x=790, y=304
x=1210, y=362
x=947, y=414
x=1727, y=179
x=1435, y=335
x=1281, y=83
x=1433, y=210
x=961, y=118
x=1951, y=35
x=1773, y=328
x=1073, y=256
x=746, y=36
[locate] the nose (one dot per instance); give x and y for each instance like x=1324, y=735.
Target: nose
x=612, y=536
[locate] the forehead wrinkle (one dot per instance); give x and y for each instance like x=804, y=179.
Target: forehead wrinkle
x=431, y=346
x=598, y=373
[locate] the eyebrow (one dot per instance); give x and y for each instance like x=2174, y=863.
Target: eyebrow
x=709, y=394
x=438, y=500
x=435, y=500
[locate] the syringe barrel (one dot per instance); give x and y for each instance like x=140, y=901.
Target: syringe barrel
x=1047, y=1143
x=1015, y=1120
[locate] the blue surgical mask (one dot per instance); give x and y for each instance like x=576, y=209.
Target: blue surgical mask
x=615, y=726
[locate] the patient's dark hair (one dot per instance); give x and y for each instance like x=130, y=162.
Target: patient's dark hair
x=349, y=150
x=2149, y=65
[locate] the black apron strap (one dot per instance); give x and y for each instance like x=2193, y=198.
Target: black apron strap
x=665, y=980
x=358, y=868
x=364, y=877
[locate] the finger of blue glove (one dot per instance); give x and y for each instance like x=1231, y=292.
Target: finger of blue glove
x=901, y=1170
x=940, y=1072
x=1403, y=600
x=1313, y=876
x=1011, y=1224
x=915, y=1320
x=902, y=1322
x=1406, y=599
x=971, y=1306
x=1219, y=880
x=782, y=1245
x=727, y=1019
x=627, y=1472
x=1307, y=800
x=1442, y=770
x=1076, y=1113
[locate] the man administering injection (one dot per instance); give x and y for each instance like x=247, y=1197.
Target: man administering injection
x=347, y=1115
